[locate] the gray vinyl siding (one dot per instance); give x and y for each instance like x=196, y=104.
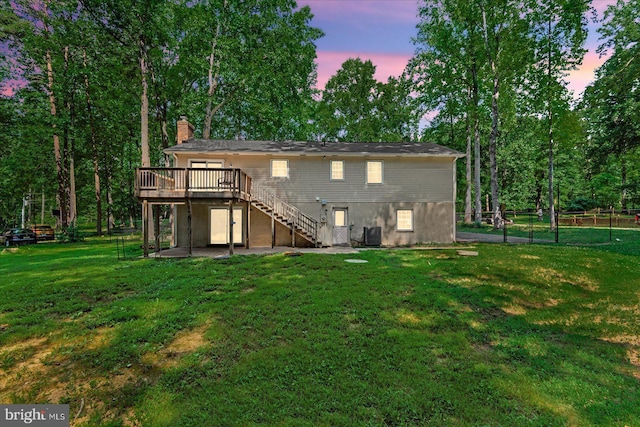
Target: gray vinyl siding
x=405, y=179
x=424, y=184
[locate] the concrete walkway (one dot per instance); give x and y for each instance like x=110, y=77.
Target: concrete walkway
x=223, y=252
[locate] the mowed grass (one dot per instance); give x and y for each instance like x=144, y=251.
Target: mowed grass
x=616, y=238
x=518, y=335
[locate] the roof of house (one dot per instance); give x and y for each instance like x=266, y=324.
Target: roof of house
x=200, y=146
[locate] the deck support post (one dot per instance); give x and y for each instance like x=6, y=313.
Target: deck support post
x=248, y=242
x=293, y=234
x=273, y=228
x=145, y=228
x=231, y=222
x=189, y=215
x=156, y=221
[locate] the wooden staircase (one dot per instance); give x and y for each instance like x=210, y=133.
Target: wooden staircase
x=301, y=224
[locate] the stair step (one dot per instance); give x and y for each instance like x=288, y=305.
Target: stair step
x=284, y=220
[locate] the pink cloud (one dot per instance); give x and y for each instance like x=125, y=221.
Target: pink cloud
x=580, y=78
x=601, y=5
x=386, y=64
x=9, y=86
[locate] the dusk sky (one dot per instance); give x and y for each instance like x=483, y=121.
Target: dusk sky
x=381, y=30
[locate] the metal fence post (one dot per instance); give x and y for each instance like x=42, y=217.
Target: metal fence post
x=504, y=227
x=610, y=230
x=530, y=227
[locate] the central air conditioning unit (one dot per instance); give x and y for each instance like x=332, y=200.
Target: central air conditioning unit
x=372, y=236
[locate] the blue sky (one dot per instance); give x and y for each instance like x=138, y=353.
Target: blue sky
x=381, y=30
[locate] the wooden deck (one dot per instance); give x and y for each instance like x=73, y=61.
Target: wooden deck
x=172, y=185
x=155, y=186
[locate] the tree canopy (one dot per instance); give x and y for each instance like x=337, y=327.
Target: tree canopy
x=94, y=88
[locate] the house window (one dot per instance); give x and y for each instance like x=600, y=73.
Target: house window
x=205, y=175
x=279, y=168
x=404, y=220
x=207, y=164
x=374, y=172
x=337, y=170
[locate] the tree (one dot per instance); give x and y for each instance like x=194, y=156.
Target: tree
x=43, y=51
x=347, y=106
x=249, y=66
x=498, y=67
x=559, y=29
x=396, y=110
x=357, y=108
x=141, y=28
x=612, y=102
x=446, y=74
x=505, y=38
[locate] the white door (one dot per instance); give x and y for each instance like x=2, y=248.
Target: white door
x=340, y=227
x=219, y=230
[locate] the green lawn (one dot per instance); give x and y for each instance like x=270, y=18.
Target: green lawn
x=519, y=335
x=529, y=227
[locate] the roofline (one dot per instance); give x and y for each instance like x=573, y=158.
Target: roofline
x=313, y=154
x=301, y=153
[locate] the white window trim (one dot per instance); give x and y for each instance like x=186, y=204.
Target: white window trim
x=381, y=172
x=331, y=178
x=279, y=176
x=411, y=220
x=207, y=162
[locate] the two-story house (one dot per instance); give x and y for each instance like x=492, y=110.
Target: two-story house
x=290, y=193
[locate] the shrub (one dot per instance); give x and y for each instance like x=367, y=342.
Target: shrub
x=71, y=234
x=581, y=204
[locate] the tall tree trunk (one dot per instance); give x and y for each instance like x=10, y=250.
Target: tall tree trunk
x=468, y=173
x=144, y=123
x=73, y=208
x=144, y=108
x=476, y=144
x=552, y=213
x=468, y=168
x=69, y=148
x=57, y=149
x=161, y=115
x=213, y=81
x=42, y=207
x=493, y=151
x=623, y=174
x=206, y=129
x=94, y=149
x=493, y=137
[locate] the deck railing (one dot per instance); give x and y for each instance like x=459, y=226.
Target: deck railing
x=188, y=180
x=178, y=183
x=293, y=215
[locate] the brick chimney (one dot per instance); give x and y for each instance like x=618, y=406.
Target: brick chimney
x=185, y=130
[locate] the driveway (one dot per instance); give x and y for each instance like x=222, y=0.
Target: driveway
x=467, y=237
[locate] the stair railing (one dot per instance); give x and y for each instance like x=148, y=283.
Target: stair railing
x=290, y=214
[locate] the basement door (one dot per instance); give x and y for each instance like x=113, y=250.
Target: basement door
x=219, y=226
x=340, y=227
